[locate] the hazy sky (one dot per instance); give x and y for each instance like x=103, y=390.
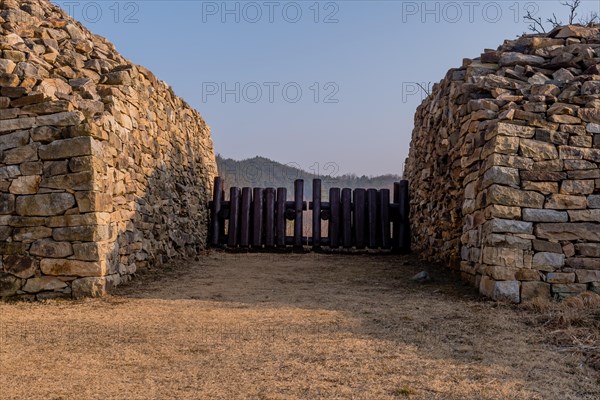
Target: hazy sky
x=304, y=81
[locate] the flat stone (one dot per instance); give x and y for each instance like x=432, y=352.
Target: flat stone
x=81, y=233
x=498, y=240
x=25, y=185
x=61, y=119
x=19, y=266
x=498, y=225
x=566, y=202
x=508, y=129
x=50, y=107
x=20, y=154
x=569, y=288
x=542, y=187
x=503, y=195
x=88, y=251
x=588, y=249
x=560, y=277
x=593, y=128
x=584, y=215
x=510, y=59
x=46, y=134
x=577, y=187
x=576, y=31
x=498, y=211
x=35, y=285
x=62, y=267
x=545, y=261
x=583, y=263
x=543, y=215
x=500, y=290
x=568, y=231
x=71, y=182
x=526, y=274
x=7, y=203
x=543, y=176
x=586, y=276
x=12, y=140
x=9, y=284
x=91, y=287
x=94, y=201
x=545, y=246
x=537, y=150
x=44, y=204
x=50, y=249
x=66, y=148
x=502, y=256
x=587, y=114
x=593, y=201
x=30, y=234
x=501, y=175
x=16, y=124
x=533, y=290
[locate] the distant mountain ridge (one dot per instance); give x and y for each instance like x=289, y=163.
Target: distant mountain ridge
x=263, y=172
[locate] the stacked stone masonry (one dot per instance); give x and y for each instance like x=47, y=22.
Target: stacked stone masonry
x=103, y=170
x=504, y=167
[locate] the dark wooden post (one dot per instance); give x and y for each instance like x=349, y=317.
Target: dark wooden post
x=281, y=220
x=245, y=217
x=215, y=229
x=396, y=218
x=372, y=218
x=269, y=217
x=234, y=214
x=347, y=218
x=384, y=209
x=359, y=218
x=298, y=206
x=257, y=217
x=334, y=218
x=404, y=233
x=316, y=214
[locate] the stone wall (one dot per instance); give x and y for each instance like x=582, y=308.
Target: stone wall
x=504, y=167
x=103, y=169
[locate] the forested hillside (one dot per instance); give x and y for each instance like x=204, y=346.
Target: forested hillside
x=262, y=172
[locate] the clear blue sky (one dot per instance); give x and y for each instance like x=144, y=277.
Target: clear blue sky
x=364, y=57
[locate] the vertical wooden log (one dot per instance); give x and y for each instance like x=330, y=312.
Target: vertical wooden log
x=257, y=217
x=234, y=215
x=359, y=218
x=215, y=221
x=222, y=220
x=316, y=214
x=281, y=221
x=347, y=218
x=245, y=217
x=404, y=234
x=334, y=218
x=396, y=218
x=298, y=205
x=372, y=218
x=384, y=210
x=270, y=217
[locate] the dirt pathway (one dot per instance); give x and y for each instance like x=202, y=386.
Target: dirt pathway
x=248, y=326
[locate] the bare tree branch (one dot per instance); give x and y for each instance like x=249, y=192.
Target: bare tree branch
x=554, y=21
x=536, y=23
x=573, y=6
x=590, y=20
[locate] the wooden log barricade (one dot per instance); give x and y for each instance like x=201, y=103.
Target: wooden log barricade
x=259, y=218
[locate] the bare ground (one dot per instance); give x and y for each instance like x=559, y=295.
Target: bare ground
x=249, y=326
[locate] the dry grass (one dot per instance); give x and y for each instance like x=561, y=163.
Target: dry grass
x=251, y=326
x=573, y=325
